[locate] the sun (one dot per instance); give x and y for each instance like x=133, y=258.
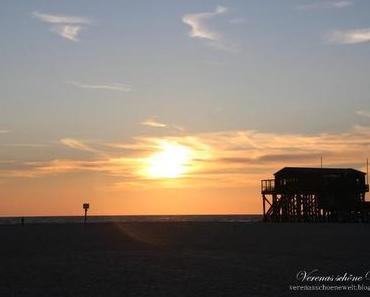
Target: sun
x=171, y=161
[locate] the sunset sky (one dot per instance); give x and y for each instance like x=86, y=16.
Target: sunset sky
x=175, y=107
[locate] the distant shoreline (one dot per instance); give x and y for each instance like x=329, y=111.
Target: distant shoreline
x=130, y=218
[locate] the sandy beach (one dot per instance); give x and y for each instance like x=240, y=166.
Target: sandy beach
x=176, y=259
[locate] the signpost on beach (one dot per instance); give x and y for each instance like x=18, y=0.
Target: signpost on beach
x=85, y=206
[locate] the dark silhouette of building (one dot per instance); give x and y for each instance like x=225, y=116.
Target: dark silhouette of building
x=315, y=195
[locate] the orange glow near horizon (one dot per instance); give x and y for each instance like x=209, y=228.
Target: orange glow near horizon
x=208, y=173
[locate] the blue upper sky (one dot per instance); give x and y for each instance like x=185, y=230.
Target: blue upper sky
x=271, y=66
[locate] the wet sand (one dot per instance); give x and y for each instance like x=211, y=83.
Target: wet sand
x=176, y=259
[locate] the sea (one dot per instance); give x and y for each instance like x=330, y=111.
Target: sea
x=132, y=218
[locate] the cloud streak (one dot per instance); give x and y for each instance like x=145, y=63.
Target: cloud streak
x=60, y=19
x=77, y=144
x=153, y=123
x=67, y=27
x=363, y=113
x=349, y=36
x=120, y=87
x=325, y=5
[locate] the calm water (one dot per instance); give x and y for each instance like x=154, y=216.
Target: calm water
x=159, y=218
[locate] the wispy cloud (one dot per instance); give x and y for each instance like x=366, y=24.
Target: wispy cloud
x=197, y=23
x=4, y=131
x=60, y=19
x=363, y=113
x=199, y=29
x=325, y=4
x=103, y=86
x=349, y=36
x=67, y=31
x=153, y=123
x=342, y=4
x=67, y=27
x=77, y=144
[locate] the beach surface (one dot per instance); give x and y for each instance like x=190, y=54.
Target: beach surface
x=177, y=258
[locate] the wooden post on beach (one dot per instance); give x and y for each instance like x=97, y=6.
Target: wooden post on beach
x=85, y=206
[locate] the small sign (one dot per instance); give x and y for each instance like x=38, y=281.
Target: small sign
x=86, y=206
